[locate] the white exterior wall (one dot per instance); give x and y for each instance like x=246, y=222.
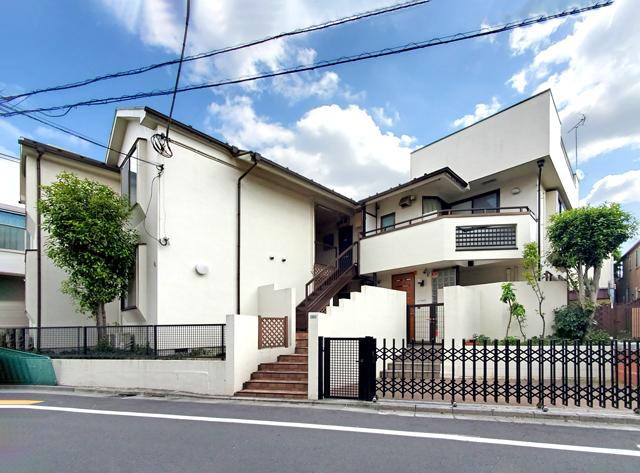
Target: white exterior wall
x=57, y=308
x=374, y=312
x=434, y=242
x=191, y=376
x=512, y=137
x=477, y=309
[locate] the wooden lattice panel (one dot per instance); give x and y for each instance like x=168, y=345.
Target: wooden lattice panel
x=273, y=332
x=321, y=273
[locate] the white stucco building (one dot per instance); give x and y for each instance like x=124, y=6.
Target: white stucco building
x=218, y=223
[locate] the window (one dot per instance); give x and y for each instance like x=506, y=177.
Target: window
x=637, y=258
x=561, y=206
x=429, y=205
x=442, y=278
x=387, y=222
x=131, y=300
x=490, y=200
x=13, y=235
x=129, y=177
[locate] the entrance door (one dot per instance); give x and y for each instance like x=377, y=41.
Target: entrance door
x=406, y=283
x=345, y=240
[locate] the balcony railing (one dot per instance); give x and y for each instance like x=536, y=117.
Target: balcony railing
x=450, y=213
x=493, y=237
x=13, y=238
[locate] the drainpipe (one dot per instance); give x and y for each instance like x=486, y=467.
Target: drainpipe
x=540, y=165
x=40, y=150
x=256, y=159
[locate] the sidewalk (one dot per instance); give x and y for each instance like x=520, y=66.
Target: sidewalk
x=557, y=413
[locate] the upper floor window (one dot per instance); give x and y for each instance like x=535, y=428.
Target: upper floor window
x=387, y=222
x=13, y=235
x=429, y=205
x=129, y=177
x=475, y=205
x=561, y=206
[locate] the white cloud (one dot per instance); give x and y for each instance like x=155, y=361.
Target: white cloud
x=214, y=25
x=518, y=81
x=483, y=110
x=533, y=37
x=621, y=188
x=299, y=86
x=54, y=137
x=595, y=70
x=381, y=117
x=339, y=147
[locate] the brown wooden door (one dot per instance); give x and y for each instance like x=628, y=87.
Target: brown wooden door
x=406, y=283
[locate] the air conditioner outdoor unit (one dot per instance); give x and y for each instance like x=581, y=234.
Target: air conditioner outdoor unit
x=407, y=201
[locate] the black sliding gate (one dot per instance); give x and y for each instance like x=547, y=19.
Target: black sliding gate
x=346, y=368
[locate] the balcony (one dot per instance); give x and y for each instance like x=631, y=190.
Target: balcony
x=449, y=237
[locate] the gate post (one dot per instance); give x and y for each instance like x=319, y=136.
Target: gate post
x=320, y=368
x=326, y=380
x=367, y=371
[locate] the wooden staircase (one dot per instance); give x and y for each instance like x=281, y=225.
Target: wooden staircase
x=286, y=378
x=325, y=285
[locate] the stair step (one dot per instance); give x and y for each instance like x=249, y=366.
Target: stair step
x=302, y=351
x=293, y=358
x=282, y=366
x=302, y=343
x=281, y=375
x=302, y=336
x=272, y=394
x=276, y=384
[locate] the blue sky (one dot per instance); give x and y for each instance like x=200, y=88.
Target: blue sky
x=350, y=127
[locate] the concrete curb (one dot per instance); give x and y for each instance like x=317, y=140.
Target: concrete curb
x=462, y=410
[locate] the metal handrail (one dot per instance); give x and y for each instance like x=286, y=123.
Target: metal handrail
x=428, y=217
x=336, y=271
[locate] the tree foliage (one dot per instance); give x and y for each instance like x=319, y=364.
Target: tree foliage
x=88, y=237
x=533, y=275
x=515, y=308
x=582, y=238
x=571, y=321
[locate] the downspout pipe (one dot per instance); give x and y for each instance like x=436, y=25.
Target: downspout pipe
x=256, y=159
x=540, y=166
x=40, y=150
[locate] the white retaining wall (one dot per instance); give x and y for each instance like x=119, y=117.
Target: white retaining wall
x=374, y=312
x=477, y=309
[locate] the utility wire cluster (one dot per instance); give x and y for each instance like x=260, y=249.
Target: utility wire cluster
x=216, y=52
x=324, y=64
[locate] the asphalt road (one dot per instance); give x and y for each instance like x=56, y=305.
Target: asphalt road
x=114, y=434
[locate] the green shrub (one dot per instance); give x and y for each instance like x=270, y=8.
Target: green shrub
x=571, y=321
x=599, y=335
x=624, y=335
x=512, y=341
x=481, y=338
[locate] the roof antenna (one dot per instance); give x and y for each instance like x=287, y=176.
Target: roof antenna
x=580, y=123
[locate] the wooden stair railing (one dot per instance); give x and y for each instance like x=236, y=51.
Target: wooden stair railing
x=326, y=284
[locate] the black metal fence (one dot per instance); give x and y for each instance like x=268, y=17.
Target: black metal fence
x=120, y=341
x=425, y=322
x=346, y=368
x=596, y=374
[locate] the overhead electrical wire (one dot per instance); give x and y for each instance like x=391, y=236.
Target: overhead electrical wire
x=324, y=64
x=216, y=52
x=160, y=141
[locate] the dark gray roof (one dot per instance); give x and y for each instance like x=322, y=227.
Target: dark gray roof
x=66, y=154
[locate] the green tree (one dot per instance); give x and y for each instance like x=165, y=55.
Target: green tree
x=533, y=276
x=582, y=238
x=88, y=237
x=515, y=308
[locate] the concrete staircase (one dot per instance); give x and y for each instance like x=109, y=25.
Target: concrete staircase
x=286, y=378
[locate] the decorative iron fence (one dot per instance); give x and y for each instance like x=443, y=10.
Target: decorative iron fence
x=121, y=341
x=604, y=374
x=273, y=332
x=486, y=237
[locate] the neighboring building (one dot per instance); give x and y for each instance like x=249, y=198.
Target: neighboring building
x=13, y=241
x=452, y=234
x=628, y=277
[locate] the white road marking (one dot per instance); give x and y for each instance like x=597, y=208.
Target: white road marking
x=338, y=428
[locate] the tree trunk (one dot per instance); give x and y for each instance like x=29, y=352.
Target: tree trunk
x=581, y=295
x=595, y=285
x=509, y=324
x=542, y=316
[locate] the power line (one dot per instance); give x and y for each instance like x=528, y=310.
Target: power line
x=217, y=52
x=324, y=64
x=9, y=157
